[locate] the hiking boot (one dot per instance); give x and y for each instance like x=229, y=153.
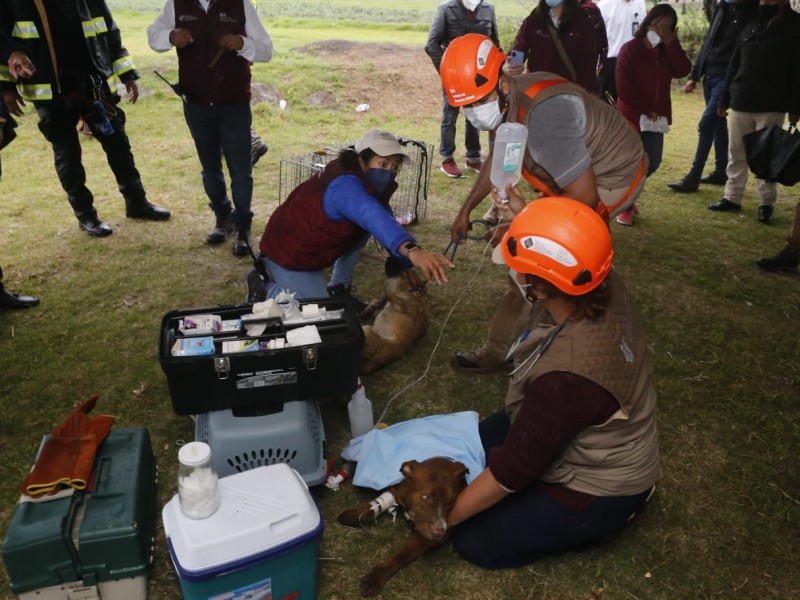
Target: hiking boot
x=450, y=168
x=685, y=185
x=479, y=361
x=715, y=178
x=256, y=288
x=725, y=205
x=765, y=212
x=347, y=293
x=241, y=245
x=219, y=233
x=257, y=149
x=785, y=260
x=625, y=218
x=474, y=165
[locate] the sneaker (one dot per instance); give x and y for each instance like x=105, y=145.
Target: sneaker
x=625, y=218
x=715, y=178
x=725, y=205
x=219, y=233
x=241, y=245
x=257, y=149
x=765, y=212
x=450, y=168
x=478, y=361
x=491, y=217
x=474, y=165
x=785, y=260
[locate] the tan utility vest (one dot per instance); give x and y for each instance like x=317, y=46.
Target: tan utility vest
x=619, y=457
x=614, y=146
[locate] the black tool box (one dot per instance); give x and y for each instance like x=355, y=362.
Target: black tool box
x=222, y=380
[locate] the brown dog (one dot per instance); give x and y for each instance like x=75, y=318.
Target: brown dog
x=400, y=323
x=427, y=494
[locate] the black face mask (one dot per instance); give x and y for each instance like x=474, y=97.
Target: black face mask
x=768, y=11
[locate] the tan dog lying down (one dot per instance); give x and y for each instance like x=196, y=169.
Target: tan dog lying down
x=400, y=323
x=427, y=494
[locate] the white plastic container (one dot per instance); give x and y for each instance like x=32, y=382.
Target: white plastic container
x=262, y=542
x=508, y=154
x=359, y=409
x=197, y=481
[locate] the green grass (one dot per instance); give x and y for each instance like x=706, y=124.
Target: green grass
x=724, y=522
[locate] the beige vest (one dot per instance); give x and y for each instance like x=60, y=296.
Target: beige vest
x=615, y=147
x=619, y=457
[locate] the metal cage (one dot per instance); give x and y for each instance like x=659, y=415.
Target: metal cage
x=409, y=202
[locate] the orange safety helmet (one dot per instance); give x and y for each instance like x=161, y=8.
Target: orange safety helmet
x=561, y=240
x=470, y=68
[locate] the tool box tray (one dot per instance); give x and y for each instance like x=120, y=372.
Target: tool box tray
x=222, y=379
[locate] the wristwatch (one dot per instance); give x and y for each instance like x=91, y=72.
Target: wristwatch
x=410, y=247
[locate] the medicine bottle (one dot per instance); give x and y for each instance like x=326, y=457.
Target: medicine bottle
x=198, y=491
x=359, y=409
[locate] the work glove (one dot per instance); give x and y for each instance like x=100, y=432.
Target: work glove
x=67, y=457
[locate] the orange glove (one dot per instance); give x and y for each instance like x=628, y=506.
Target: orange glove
x=68, y=455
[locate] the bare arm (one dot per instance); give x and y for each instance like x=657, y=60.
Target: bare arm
x=583, y=189
x=479, y=495
x=480, y=189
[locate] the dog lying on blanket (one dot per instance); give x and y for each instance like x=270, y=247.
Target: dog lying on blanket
x=427, y=494
x=402, y=320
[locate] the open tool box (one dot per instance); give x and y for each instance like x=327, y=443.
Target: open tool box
x=95, y=544
x=220, y=363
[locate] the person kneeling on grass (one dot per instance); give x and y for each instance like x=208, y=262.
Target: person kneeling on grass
x=327, y=220
x=574, y=455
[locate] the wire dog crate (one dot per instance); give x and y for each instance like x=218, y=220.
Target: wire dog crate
x=409, y=202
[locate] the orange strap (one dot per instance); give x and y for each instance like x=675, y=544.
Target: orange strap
x=634, y=184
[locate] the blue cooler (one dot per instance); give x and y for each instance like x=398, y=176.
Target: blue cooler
x=262, y=543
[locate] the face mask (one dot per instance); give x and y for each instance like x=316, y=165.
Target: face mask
x=471, y=5
x=380, y=179
x=554, y=3
x=523, y=288
x=653, y=38
x=768, y=11
x=486, y=117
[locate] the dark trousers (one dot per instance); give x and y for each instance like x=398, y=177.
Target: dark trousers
x=607, y=79
x=57, y=121
x=529, y=524
x=712, y=130
x=224, y=131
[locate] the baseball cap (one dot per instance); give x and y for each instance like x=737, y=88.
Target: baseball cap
x=382, y=143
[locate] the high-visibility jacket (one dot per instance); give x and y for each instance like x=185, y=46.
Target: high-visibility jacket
x=21, y=20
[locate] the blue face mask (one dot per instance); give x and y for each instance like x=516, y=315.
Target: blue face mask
x=380, y=179
x=554, y=3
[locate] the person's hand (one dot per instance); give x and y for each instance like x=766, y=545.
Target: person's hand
x=513, y=204
x=431, y=264
x=231, y=41
x=494, y=235
x=689, y=87
x=459, y=228
x=133, y=90
x=509, y=69
x=180, y=38
x=14, y=102
x=665, y=32
x=722, y=112
x=20, y=65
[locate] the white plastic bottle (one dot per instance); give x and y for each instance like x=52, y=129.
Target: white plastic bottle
x=360, y=411
x=510, y=142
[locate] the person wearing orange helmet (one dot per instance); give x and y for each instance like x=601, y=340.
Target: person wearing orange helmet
x=578, y=147
x=574, y=455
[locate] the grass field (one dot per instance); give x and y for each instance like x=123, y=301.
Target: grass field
x=725, y=521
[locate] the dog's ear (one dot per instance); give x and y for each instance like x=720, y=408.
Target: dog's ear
x=407, y=468
x=393, y=266
x=459, y=470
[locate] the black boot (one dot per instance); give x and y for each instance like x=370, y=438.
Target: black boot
x=785, y=260
x=345, y=292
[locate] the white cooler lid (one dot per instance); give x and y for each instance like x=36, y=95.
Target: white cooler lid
x=260, y=510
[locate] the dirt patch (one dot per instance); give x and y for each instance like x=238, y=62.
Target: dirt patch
x=263, y=92
x=322, y=99
x=391, y=78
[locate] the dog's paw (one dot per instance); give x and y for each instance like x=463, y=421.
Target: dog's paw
x=353, y=517
x=372, y=583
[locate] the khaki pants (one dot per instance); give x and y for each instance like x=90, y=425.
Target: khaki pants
x=742, y=123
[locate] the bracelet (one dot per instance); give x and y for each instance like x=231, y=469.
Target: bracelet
x=410, y=247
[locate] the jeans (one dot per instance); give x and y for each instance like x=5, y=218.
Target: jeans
x=224, y=131
x=530, y=524
x=712, y=130
x=653, y=143
x=312, y=284
x=472, y=138
x=57, y=122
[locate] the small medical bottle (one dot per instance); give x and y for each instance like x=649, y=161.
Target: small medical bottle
x=508, y=154
x=197, y=481
x=359, y=410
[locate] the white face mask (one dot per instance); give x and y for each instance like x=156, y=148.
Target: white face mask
x=471, y=5
x=486, y=117
x=653, y=38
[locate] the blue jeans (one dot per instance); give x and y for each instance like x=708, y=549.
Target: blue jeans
x=472, y=138
x=712, y=130
x=312, y=284
x=529, y=524
x=653, y=143
x=224, y=131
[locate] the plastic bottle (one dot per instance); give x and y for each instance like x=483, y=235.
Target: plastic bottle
x=360, y=411
x=510, y=142
x=198, y=491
